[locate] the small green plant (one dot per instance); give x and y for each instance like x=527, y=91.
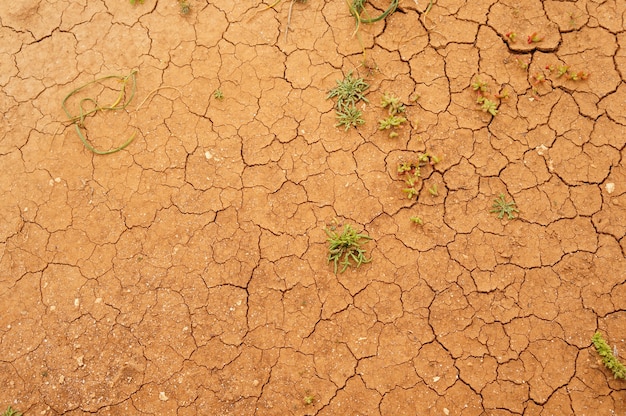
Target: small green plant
x=411, y=172
x=523, y=64
x=433, y=191
x=480, y=86
x=185, y=7
x=501, y=207
x=357, y=9
x=309, y=400
x=564, y=71
x=394, y=107
x=487, y=102
x=534, y=38
x=133, y=2
x=218, y=94
x=348, y=117
x=417, y=220
x=11, y=412
x=392, y=104
x=345, y=248
x=348, y=92
x=391, y=121
x=487, y=105
x=511, y=36
x=609, y=358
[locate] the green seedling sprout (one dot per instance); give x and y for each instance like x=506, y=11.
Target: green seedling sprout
x=133, y=2
x=218, y=94
x=488, y=106
x=392, y=104
x=391, y=121
x=11, y=412
x=309, y=399
x=511, y=36
x=562, y=70
x=480, y=86
x=501, y=207
x=608, y=356
x=417, y=220
x=534, y=38
x=577, y=76
x=433, y=190
x=345, y=249
x=522, y=64
x=411, y=172
x=185, y=7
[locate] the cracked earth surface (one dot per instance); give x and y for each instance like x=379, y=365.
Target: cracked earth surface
x=186, y=274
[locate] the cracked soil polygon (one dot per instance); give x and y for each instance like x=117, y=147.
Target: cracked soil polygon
x=187, y=274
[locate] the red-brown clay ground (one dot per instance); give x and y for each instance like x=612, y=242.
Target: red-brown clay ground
x=187, y=273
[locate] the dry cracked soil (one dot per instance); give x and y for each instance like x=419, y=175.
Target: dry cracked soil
x=187, y=274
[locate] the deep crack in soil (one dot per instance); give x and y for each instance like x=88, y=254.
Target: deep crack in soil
x=187, y=273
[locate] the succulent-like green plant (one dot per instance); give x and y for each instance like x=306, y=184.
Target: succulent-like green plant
x=501, y=207
x=487, y=105
x=391, y=121
x=392, y=104
x=608, y=357
x=345, y=248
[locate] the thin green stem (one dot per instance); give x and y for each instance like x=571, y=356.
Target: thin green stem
x=118, y=104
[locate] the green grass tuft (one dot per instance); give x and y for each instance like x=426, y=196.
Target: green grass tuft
x=345, y=249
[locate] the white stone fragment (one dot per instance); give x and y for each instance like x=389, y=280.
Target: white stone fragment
x=610, y=187
x=163, y=397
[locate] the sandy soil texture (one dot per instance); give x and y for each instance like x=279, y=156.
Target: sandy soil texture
x=187, y=274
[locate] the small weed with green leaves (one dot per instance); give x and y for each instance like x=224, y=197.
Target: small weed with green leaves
x=348, y=92
x=417, y=220
x=433, y=191
x=389, y=122
x=350, y=116
x=609, y=357
x=501, y=207
x=480, y=86
x=133, y=2
x=411, y=171
x=394, y=107
x=345, y=248
x=218, y=94
x=487, y=105
x=309, y=400
x=11, y=412
x=185, y=7
x=392, y=104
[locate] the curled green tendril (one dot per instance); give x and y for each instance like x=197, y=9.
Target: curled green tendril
x=118, y=104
